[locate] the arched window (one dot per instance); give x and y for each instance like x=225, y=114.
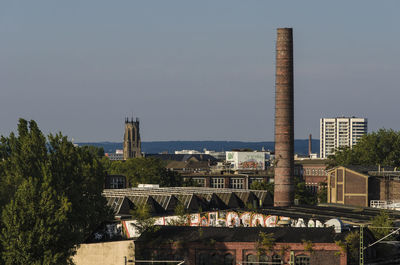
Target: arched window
x=263, y=258
x=215, y=259
x=251, y=258
x=203, y=259
x=228, y=259
x=302, y=260
x=276, y=259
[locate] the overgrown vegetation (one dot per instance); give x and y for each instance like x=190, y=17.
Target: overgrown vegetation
x=381, y=225
x=351, y=246
x=265, y=243
x=263, y=185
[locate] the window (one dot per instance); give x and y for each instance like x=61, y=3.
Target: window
x=276, y=259
x=251, y=258
x=215, y=259
x=117, y=182
x=263, y=258
x=218, y=183
x=302, y=260
x=228, y=259
x=256, y=260
x=200, y=181
x=236, y=183
x=203, y=259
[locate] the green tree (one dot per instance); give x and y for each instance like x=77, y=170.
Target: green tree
x=265, y=243
x=303, y=194
x=263, y=185
x=376, y=148
x=143, y=219
x=96, y=151
x=147, y=170
x=71, y=175
x=40, y=217
x=322, y=193
x=381, y=225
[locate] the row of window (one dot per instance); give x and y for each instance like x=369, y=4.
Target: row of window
x=315, y=172
x=251, y=259
x=234, y=183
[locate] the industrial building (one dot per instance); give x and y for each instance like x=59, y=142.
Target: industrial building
x=221, y=245
x=360, y=185
x=340, y=132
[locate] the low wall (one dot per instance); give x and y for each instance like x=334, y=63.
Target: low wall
x=107, y=253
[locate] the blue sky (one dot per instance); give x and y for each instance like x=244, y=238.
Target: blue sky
x=194, y=70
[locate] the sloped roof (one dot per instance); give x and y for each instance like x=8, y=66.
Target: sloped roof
x=162, y=200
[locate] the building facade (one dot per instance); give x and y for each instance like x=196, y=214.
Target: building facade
x=229, y=246
x=132, y=142
x=360, y=185
x=313, y=172
x=340, y=132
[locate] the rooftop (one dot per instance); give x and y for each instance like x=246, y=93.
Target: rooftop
x=242, y=234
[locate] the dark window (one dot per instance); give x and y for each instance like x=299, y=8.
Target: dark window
x=276, y=259
x=228, y=259
x=215, y=259
x=251, y=258
x=203, y=259
x=263, y=258
x=302, y=260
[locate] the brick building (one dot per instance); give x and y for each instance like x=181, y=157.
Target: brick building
x=359, y=185
x=229, y=246
x=312, y=171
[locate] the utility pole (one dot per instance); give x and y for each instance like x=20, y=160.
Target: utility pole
x=361, y=245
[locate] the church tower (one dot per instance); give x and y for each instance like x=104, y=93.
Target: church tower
x=132, y=143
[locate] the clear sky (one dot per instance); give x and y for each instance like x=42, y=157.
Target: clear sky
x=194, y=70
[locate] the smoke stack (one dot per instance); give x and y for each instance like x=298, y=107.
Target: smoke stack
x=309, y=145
x=284, y=119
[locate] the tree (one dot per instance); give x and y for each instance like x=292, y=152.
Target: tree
x=143, y=218
x=381, y=225
x=96, y=151
x=322, y=193
x=48, y=175
x=40, y=217
x=263, y=185
x=376, y=148
x=303, y=194
x=147, y=170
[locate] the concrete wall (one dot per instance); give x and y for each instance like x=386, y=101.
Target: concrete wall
x=107, y=253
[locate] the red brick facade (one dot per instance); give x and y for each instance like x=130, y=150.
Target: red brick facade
x=239, y=252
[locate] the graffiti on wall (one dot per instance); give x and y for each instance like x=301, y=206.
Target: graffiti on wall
x=227, y=219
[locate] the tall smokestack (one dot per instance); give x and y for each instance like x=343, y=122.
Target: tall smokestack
x=309, y=145
x=284, y=119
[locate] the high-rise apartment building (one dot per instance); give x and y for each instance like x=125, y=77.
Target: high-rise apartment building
x=340, y=132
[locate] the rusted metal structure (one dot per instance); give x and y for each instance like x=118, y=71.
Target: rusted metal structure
x=284, y=119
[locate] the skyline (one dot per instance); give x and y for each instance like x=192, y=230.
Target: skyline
x=194, y=71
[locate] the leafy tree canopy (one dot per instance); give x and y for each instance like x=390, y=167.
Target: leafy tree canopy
x=50, y=195
x=376, y=148
x=262, y=185
x=382, y=225
x=146, y=170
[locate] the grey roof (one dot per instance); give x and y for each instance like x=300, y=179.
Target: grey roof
x=164, y=200
x=242, y=234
